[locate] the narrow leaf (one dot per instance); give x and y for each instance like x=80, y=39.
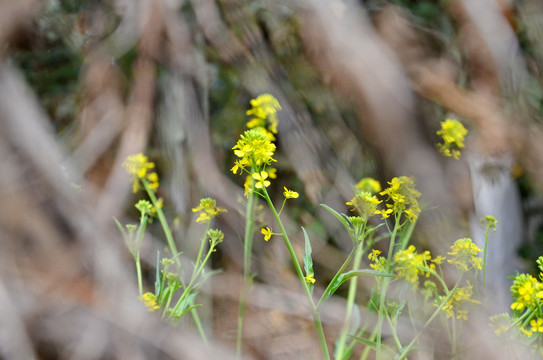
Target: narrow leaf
x=346, y=276
x=308, y=261
x=339, y=216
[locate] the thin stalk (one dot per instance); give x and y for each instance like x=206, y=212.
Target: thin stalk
x=314, y=309
x=350, y=303
x=484, y=260
x=247, y=252
x=139, y=236
x=385, y=283
x=414, y=340
x=328, y=289
x=138, y=272
x=173, y=249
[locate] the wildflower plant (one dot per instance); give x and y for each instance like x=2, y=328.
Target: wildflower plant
x=453, y=133
x=173, y=295
x=395, y=211
x=524, y=325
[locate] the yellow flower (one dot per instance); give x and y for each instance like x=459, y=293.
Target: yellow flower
x=378, y=262
x=525, y=291
x=289, y=194
x=368, y=184
x=207, y=210
x=264, y=109
x=248, y=186
x=149, y=300
x=453, y=134
x=525, y=332
x=310, y=279
x=138, y=166
x=254, y=149
x=537, y=325
x=409, y=264
x=261, y=179
x=365, y=203
x=464, y=255
x=267, y=232
x=402, y=193
x=455, y=304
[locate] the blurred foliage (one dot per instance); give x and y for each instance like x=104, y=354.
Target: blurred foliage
x=54, y=53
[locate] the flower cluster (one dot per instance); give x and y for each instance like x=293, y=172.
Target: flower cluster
x=455, y=306
x=453, y=134
x=464, y=255
x=377, y=262
x=527, y=292
x=149, y=300
x=207, y=210
x=404, y=198
x=254, y=149
x=366, y=204
x=409, y=264
x=264, y=114
x=140, y=168
x=368, y=184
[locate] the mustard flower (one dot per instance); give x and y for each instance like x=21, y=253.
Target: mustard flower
x=526, y=292
x=365, y=203
x=456, y=303
x=453, y=134
x=404, y=197
x=501, y=323
x=267, y=232
x=289, y=194
x=248, y=185
x=378, y=262
x=409, y=264
x=272, y=173
x=310, y=279
x=368, y=184
x=264, y=111
x=254, y=149
x=537, y=325
x=464, y=255
x=261, y=179
x=139, y=167
x=149, y=300
x=207, y=210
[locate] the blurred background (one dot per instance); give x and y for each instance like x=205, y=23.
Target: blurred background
x=363, y=86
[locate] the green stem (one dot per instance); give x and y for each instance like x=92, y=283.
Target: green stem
x=247, y=252
x=484, y=260
x=173, y=249
x=328, y=290
x=414, y=340
x=384, y=284
x=163, y=222
x=138, y=272
x=350, y=303
x=314, y=309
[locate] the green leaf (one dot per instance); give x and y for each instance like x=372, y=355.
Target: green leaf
x=349, y=274
x=366, y=342
x=120, y=226
x=340, y=217
x=308, y=261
